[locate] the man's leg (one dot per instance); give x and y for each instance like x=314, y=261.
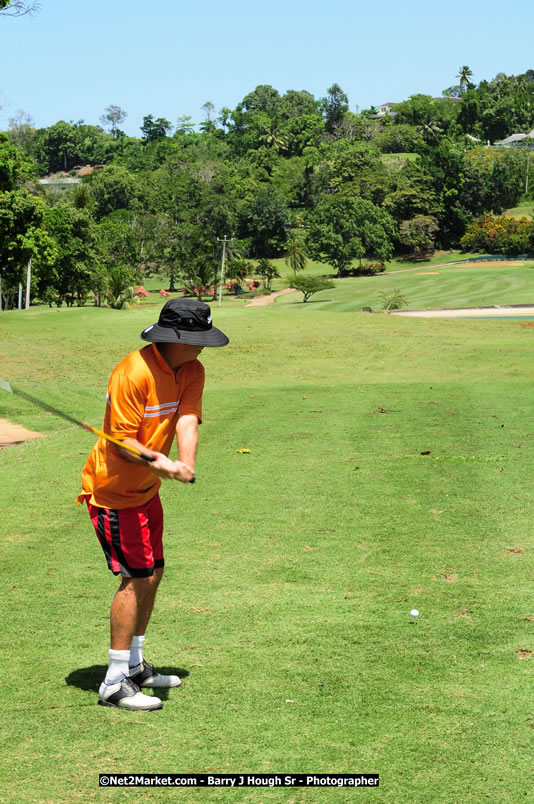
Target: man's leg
x=131, y=609
x=127, y=606
x=145, y=609
x=139, y=670
x=125, y=539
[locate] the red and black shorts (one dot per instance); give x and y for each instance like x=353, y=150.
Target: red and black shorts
x=131, y=538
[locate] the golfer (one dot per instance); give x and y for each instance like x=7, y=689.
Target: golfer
x=154, y=394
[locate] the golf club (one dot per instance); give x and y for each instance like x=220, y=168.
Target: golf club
x=5, y=386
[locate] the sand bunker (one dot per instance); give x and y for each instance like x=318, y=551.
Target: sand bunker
x=492, y=263
x=11, y=434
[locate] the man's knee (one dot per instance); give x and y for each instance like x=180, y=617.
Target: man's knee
x=136, y=586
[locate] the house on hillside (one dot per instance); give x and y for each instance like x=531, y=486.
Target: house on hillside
x=387, y=109
x=65, y=181
x=384, y=110
x=514, y=139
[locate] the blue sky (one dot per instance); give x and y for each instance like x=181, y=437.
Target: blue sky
x=168, y=57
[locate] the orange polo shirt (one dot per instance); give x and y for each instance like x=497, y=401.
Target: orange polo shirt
x=144, y=400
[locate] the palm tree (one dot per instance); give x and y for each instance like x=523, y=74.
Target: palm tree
x=17, y=8
x=296, y=254
x=465, y=74
x=273, y=138
x=431, y=131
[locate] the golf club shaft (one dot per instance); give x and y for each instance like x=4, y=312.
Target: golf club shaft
x=56, y=412
x=117, y=441
x=121, y=444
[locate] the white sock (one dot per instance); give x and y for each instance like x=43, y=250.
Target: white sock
x=118, y=666
x=136, y=650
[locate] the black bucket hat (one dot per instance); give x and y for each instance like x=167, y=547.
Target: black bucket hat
x=186, y=321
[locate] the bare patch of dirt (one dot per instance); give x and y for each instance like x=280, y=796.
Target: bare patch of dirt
x=262, y=301
x=524, y=654
x=11, y=434
x=497, y=262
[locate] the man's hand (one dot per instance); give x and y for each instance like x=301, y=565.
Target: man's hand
x=162, y=467
x=173, y=470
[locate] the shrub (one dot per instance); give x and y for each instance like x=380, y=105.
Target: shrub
x=50, y=296
x=308, y=285
x=499, y=234
x=393, y=300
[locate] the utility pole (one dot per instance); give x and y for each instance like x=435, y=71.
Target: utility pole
x=224, y=240
x=28, y=282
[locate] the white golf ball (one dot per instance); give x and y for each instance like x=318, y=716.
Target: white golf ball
x=414, y=613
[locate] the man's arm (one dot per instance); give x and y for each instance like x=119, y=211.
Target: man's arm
x=187, y=439
x=163, y=466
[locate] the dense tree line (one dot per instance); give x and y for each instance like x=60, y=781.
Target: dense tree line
x=279, y=174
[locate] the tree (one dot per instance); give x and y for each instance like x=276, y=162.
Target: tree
x=295, y=104
x=431, y=132
x=357, y=170
x=17, y=8
x=342, y=229
x=419, y=234
x=15, y=167
x=308, y=285
x=274, y=138
x=393, y=300
x=263, y=99
x=267, y=271
x=465, y=75
x=208, y=108
x=120, y=287
x=23, y=236
x=399, y=138
x=155, y=129
x=423, y=110
x=267, y=223
x=224, y=117
x=335, y=106
x=296, y=254
x=238, y=269
x=113, y=116
x=117, y=240
x=112, y=188
x=74, y=233
x=184, y=125
x=21, y=130
x=57, y=147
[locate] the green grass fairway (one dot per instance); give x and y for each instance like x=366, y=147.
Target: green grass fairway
x=322, y=269
x=291, y=571
x=460, y=285
x=525, y=210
